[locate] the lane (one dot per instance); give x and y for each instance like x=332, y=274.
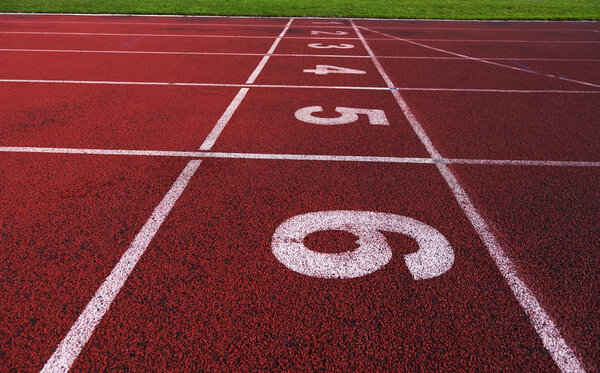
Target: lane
x=134, y=43
x=127, y=67
x=101, y=116
x=561, y=26
x=486, y=34
x=210, y=294
x=510, y=126
x=547, y=219
x=321, y=71
x=322, y=46
x=475, y=74
x=489, y=49
x=64, y=222
x=268, y=122
x=136, y=19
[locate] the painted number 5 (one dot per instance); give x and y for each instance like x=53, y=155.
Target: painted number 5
x=433, y=258
x=348, y=115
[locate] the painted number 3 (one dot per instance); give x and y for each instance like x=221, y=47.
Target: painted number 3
x=433, y=258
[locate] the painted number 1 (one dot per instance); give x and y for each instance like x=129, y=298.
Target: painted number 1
x=433, y=258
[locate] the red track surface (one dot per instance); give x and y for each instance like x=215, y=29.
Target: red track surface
x=208, y=291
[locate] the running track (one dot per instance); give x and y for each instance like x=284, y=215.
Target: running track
x=185, y=193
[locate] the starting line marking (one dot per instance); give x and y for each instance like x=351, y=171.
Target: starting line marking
x=561, y=353
x=250, y=85
x=296, y=157
x=71, y=346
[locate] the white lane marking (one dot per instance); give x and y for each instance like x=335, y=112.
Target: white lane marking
x=561, y=353
x=288, y=55
x=400, y=27
x=330, y=69
x=391, y=38
x=485, y=61
x=170, y=35
x=71, y=346
x=108, y=82
x=433, y=258
x=296, y=157
x=216, y=131
x=348, y=115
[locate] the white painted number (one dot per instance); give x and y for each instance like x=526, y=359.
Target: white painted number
x=433, y=258
x=329, y=69
x=339, y=33
x=348, y=115
x=328, y=46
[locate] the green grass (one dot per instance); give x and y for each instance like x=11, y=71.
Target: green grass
x=455, y=9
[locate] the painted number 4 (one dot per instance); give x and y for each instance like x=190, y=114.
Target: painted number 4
x=433, y=258
x=328, y=69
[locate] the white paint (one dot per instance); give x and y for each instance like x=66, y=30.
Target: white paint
x=70, y=347
x=296, y=157
x=182, y=84
x=330, y=46
x=433, y=258
x=329, y=69
x=478, y=59
x=348, y=115
x=289, y=55
x=222, y=122
x=338, y=33
x=561, y=353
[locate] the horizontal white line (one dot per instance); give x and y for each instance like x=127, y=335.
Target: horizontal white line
x=173, y=35
x=293, y=157
x=24, y=50
x=494, y=40
x=403, y=27
x=183, y=84
x=288, y=37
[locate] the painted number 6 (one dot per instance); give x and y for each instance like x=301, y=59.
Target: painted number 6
x=348, y=115
x=434, y=257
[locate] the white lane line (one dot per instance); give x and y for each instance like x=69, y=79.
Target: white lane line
x=71, y=346
x=287, y=55
x=199, y=24
x=487, y=61
x=182, y=84
x=212, y=137
x=387, y=37
x=237, y=85
x=168, y=35
x=487, y=40
x=561, y=353
x=295, y=157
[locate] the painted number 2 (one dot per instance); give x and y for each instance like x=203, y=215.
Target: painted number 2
x=433, y=258
x=330, y=46
x=348, y=115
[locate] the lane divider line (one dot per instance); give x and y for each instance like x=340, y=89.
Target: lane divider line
x=71, y=346
x=484, y=60
x=403, y=28
x=561, y=353
x=237, y=85
x=296, y=157
x=24, y=50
